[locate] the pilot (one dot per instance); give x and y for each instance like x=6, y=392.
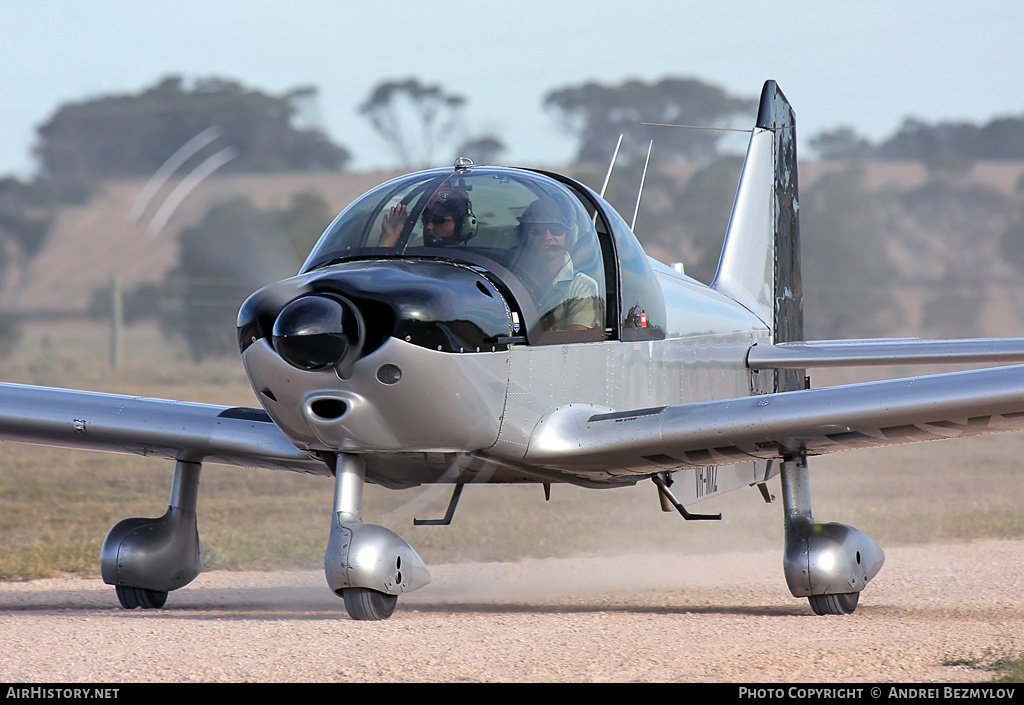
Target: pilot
x=570, y=299
x=447, y=220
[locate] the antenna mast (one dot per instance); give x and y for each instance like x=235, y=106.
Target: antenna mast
x=615, y=156
x=642, y=178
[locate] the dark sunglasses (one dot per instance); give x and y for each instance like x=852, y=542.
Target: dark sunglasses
x=436, y=219
x=542, y=229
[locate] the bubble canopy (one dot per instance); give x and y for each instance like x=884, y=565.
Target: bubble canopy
x=526, y=230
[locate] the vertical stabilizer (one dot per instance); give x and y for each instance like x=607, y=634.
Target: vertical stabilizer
x=760, y=263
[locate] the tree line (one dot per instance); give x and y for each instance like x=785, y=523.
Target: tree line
x=132, y=135
x=953, y=233
x=924, y=260
x=942, y=146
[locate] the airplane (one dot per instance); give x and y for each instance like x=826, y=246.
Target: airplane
x=485, y=324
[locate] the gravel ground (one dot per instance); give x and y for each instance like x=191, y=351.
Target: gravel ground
x=725, y=617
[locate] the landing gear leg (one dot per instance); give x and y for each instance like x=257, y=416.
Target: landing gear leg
x=829, y=564
x=145, y=558
x=365, y=564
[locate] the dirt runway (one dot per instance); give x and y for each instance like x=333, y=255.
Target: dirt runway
x=725, y=617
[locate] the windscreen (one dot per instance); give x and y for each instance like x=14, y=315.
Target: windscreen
x=524, y=228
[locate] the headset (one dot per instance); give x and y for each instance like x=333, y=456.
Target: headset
x=456, y=200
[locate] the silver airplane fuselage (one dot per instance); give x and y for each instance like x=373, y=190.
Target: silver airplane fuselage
x=486, y=408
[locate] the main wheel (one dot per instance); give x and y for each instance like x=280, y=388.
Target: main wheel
x=131, y=597
x=842, y=603
x=367, y=604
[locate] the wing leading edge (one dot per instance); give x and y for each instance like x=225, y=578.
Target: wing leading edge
x=884, y=351
x=148, y=427
x=579, y=438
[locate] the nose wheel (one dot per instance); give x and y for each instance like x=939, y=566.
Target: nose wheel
x=367, y=604
x=366, y=565
x=842, y=603
x=131, y=597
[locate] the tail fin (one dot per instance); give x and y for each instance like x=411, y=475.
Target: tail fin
x=760, y=263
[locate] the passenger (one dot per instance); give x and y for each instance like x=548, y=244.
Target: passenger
x=569, y=300
x=447, y=220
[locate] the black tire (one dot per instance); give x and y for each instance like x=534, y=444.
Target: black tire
x=364, y=604
x=131, y=597
x=842, y=603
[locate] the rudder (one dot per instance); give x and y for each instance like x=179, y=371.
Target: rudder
x=760, y=262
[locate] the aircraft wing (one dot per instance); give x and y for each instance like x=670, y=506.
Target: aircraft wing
x=149, y=427
x=581, y=438
x=884, y=351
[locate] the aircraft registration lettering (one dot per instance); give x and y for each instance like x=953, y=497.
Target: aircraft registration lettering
x=707, y=480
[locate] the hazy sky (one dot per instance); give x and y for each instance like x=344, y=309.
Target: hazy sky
x=867, y=64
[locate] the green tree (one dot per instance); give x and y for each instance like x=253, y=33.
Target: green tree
x=1011, y=245
x=413, y=119
x=841, y=143
x=596, y=114
x=683, y=213
x=848, y=275
x=1001, y=139
x=957, y=229
x=133, y=135
x=482, y=150
x=703, y=211
x=235, y=250
x=916, y=140
x=27, y=211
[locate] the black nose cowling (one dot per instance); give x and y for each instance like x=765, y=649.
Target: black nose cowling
x=316, y=332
